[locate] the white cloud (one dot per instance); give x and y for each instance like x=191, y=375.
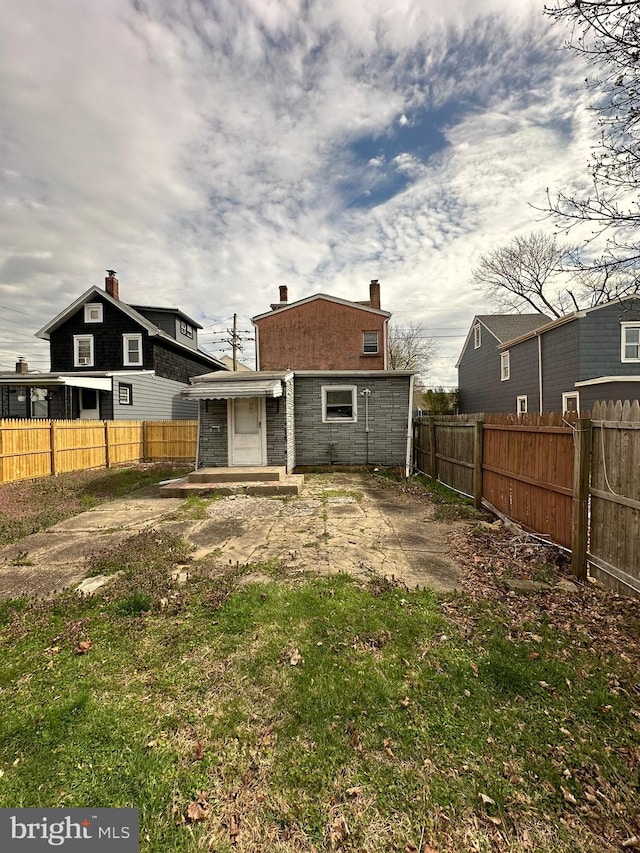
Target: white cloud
x=202, y=149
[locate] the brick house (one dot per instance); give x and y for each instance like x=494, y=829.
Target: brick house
x=112, y=361
x=323, y=332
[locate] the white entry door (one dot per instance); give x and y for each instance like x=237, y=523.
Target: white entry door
x=89, y=404
x=247, y=437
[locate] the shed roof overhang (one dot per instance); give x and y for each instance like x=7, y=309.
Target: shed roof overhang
x=233, y=390
x=43, y=380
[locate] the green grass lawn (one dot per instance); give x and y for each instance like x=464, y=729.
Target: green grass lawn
x=311, y=713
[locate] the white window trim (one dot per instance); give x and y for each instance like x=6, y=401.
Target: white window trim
x=623, y=336
x=125, y=351
x=477, y=336
x=525, y=408
x=92, y=306
x=354, y=403
x=125, y=386
x=568, y=394
x=365, y=351
x=76, y=348
x=505, y=366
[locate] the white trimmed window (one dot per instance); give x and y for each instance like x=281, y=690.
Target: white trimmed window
x=571, y=402
x=370, y=343
x=477, y=336
x=132, y=350
x=630, y=341
x=339, y=404
x=521, y=405
x=505, y=366
x=93, y=312
x=83, y=350
x=125, y=397
x=186, y=329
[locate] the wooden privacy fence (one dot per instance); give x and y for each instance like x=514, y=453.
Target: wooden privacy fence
x=39, y=448
x=614, y=542
x=574, y=481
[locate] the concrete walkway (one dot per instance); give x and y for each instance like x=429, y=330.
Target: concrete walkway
x=340, y=523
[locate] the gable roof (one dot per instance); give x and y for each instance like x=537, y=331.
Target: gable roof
x=288, y=305
x=505, y=327
x=163, y=310
x=569, y=318
x=141, y=320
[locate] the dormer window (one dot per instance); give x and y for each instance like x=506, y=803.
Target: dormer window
x=93, y=312
x=186, y=329
x=477, y=336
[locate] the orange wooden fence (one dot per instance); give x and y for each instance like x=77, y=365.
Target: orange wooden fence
x=39, y=448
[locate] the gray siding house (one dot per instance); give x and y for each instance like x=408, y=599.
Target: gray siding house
x=554, y=366
x=302, y=418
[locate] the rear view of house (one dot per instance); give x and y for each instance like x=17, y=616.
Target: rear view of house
x=323, y=332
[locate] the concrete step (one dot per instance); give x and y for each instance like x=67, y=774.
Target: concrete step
x=238, y=475
x=291, y=485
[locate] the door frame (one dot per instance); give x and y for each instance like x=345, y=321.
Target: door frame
x=92, y=414
x=262, y=421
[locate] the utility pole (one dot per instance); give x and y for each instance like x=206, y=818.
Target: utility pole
x=234, y=340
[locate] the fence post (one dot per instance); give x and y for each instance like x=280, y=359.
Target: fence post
x=580, y=507
x=107, y=448
x=53, y=443
x=433, y=459
x=477, y=464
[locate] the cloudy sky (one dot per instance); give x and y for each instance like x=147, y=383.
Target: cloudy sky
x=210, y=151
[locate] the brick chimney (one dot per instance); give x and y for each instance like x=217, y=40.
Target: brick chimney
x=22, y=366
x=111, y=285
x=374, y=293
x=284, y=293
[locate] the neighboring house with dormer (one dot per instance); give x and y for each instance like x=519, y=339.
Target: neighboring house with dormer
x=323, y=332
x=113, y=361
x=558, y=365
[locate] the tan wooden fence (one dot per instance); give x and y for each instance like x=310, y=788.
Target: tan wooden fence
x=40, y=448
x=574, y=481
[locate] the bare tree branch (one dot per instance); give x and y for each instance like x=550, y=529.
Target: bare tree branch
x=410, y=348
x=606, y=33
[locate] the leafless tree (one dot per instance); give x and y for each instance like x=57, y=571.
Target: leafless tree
x=410, y=348
x=536, y=272
x=606, y=33
x=526, y=274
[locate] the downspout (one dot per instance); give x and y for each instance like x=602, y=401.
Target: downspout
x=366, y=394
x=197, y=465
x=540, y=371
x=257, y=347
x=408, y=462
x=385, y=337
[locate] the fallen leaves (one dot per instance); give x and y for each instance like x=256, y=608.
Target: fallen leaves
x=198, y=810
x=83, y=646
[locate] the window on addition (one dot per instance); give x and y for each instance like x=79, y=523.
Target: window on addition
x=339, y=404
x=125, y=396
